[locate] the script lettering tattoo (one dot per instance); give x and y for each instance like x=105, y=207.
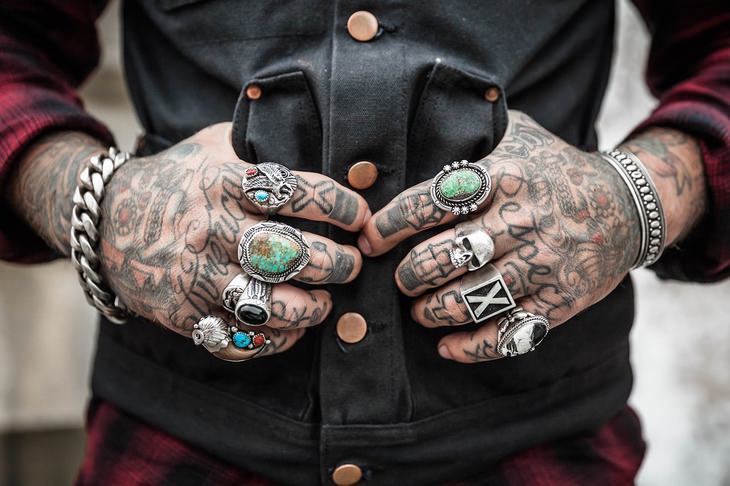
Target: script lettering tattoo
x=413, y=208
x=571, y=236
x=173, y=279
x=327, y=198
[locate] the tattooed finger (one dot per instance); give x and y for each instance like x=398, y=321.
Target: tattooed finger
x=329, y=262
x=480, y=345
x=319, y=198
x=429, y=264
x=280, y=341
x=446, y=307
x=292, y=307
x=410, y=212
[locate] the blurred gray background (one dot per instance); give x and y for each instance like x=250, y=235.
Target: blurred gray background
x=681, y=341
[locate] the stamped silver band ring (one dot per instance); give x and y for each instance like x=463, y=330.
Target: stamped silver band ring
x=473, y=246
x=269, y=185
x=460, y=187
x=233, y=291
x=485, y=293
x=212, y=333
x=273, y=252
x=520, y=332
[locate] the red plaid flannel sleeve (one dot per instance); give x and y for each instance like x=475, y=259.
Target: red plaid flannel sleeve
x=47, y=48
x=689, y=72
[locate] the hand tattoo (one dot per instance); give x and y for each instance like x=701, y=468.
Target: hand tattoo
x=414, y=208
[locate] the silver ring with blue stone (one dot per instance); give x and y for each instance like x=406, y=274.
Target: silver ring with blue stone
x=269, y=185
x=253, y=306
x=520, y=332
x=248, y=340
x=273, y=252
x=460, y=187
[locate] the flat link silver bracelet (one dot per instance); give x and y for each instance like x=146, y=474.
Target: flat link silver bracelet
x=648, y=205
x=85, y=218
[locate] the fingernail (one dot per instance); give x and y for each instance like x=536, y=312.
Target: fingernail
x=444, y=352
x=364, y=245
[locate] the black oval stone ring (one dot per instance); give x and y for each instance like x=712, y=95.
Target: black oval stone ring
x=460, y=187
x=273, y=252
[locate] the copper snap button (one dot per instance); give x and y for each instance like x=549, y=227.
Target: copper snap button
x=253, y=92
x=351, y=327
x=362, y=26
x=491, y=94
x=362, y=174
x=346, y=475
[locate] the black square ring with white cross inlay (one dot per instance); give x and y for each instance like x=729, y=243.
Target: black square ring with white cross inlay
x=485, y=294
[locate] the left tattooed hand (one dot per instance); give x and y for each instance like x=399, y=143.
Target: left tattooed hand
x=565, y=229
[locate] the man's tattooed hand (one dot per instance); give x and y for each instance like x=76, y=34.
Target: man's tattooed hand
x=171, y=225
x=565, y=229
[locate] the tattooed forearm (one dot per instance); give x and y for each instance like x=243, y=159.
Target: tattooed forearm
x=674, y=161
x=41, y=186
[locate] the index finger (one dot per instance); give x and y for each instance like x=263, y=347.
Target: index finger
x=319, y=198
x=410, y=212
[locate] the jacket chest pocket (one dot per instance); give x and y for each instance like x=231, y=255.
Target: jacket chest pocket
x=459, y=116
x=276, y=120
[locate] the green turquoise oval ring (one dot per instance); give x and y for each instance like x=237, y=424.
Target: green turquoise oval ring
x=460, y=187
x=273, y=252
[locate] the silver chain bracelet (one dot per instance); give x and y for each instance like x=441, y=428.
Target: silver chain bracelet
x=85, y=218
x=648, y=205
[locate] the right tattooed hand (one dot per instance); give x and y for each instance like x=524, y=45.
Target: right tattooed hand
x=171, y=227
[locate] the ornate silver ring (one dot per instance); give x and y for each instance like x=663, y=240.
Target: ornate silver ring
x=520, y=332
x=485, y=294
x=248, y=340
x=460, y=187
x=233, y=291
x=473, y=247
x=212, y=333
x=269, y=185
x=253, y=306
x=273, y=252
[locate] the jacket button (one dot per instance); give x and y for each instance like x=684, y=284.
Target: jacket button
x=346, y=475
x=362, y=174
x=491, y=94
x=253, y=92
x=351, y=327
x=362, y=26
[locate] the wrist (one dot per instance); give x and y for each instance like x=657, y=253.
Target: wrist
x=674, y=162
x=41, y=185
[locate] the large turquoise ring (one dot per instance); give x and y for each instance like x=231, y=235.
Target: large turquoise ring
x=460, y=187
x=273, y=252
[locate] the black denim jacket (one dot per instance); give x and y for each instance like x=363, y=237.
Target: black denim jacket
x=408, y=100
